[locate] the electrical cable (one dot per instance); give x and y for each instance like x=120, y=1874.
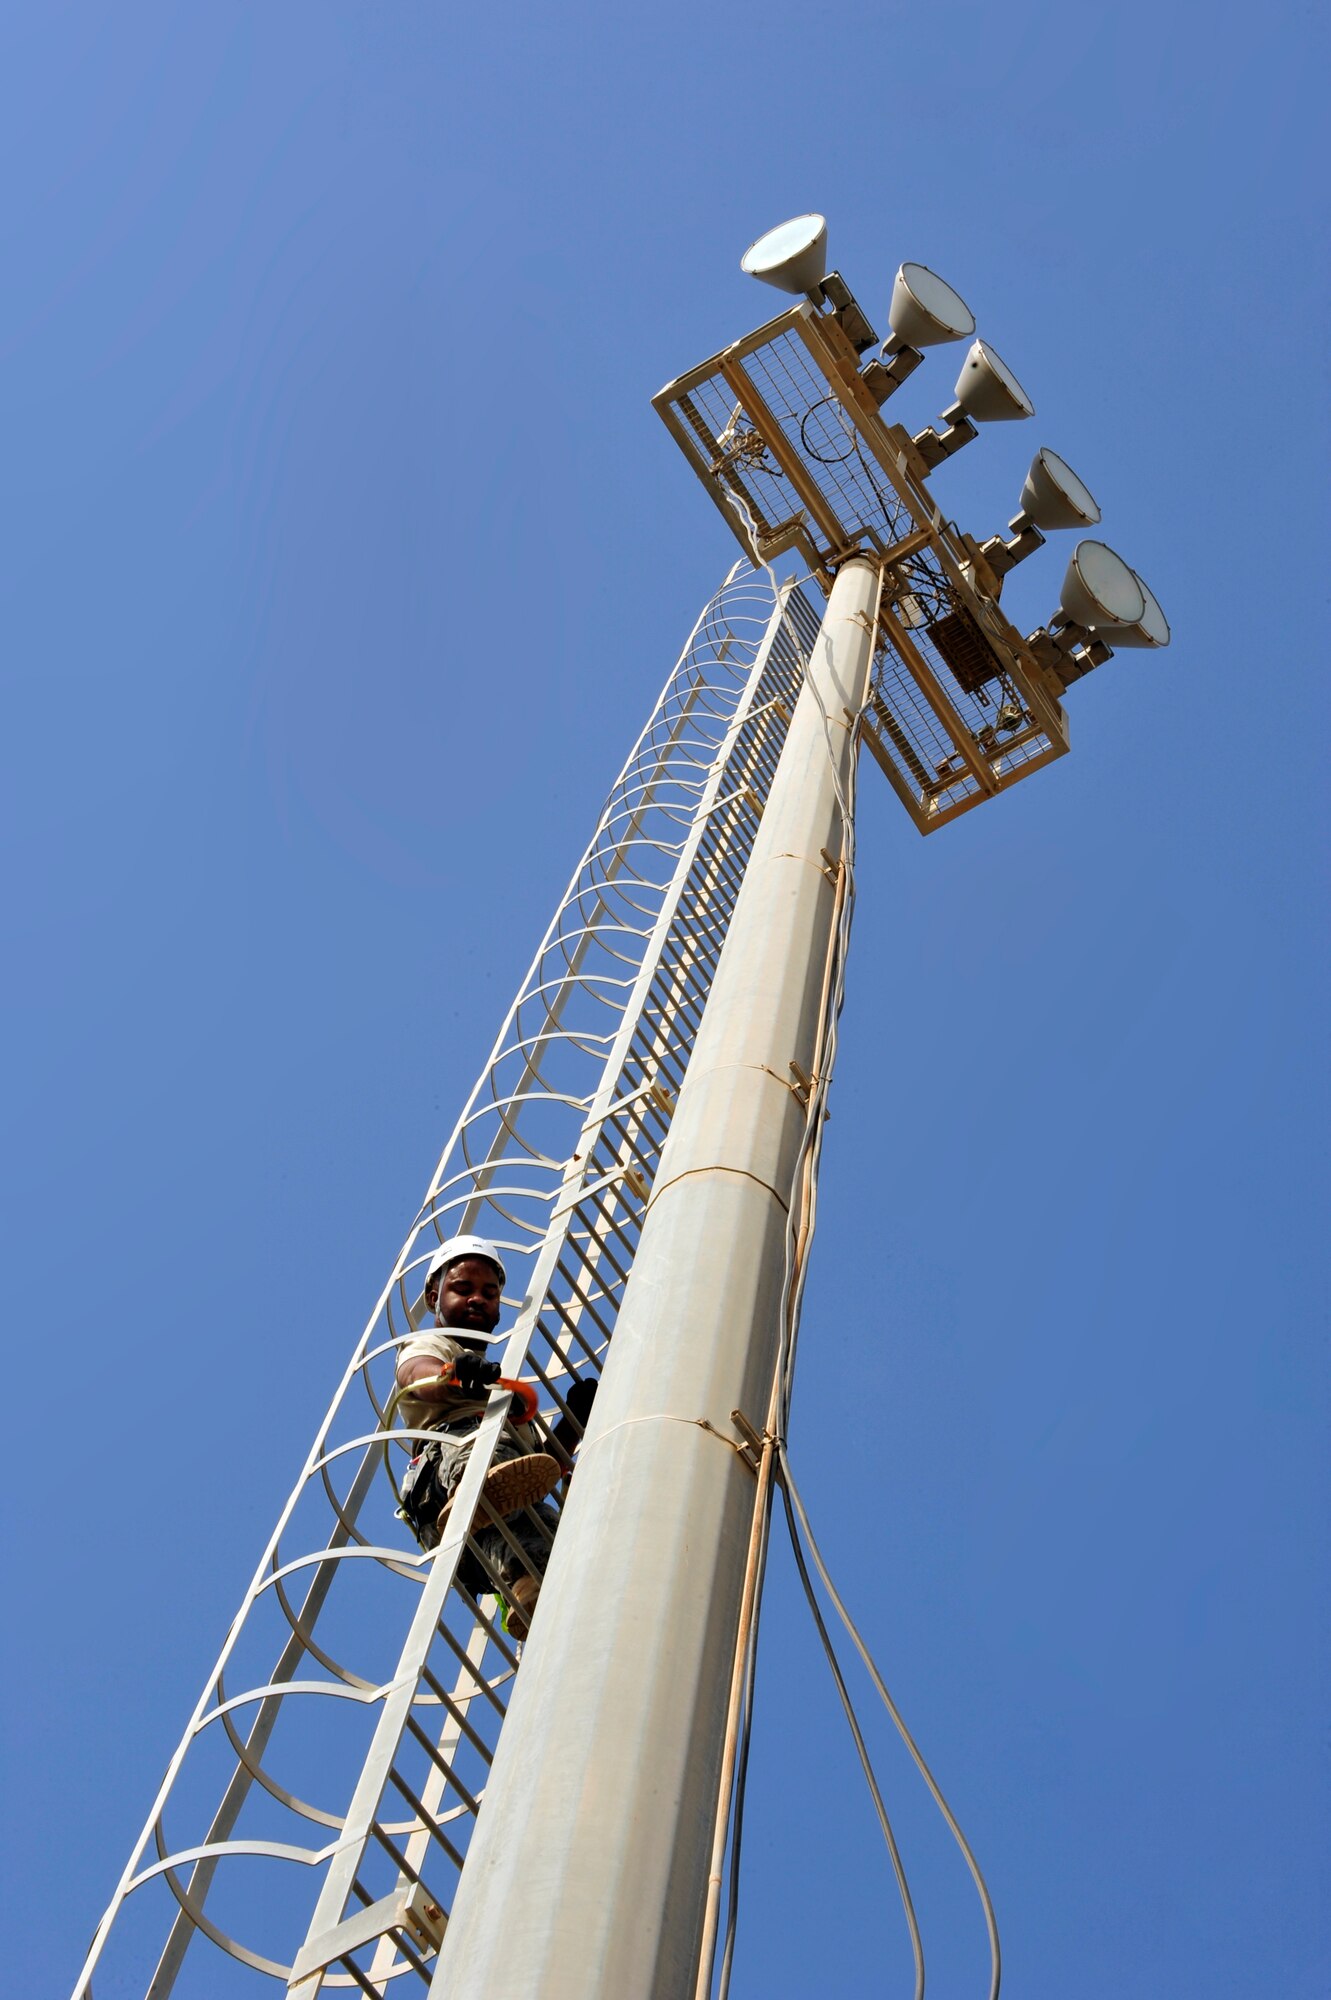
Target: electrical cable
x=821, y=457
x=796, y=1511
x=792, y=1498
x=742, y=1764
x=866, y=1764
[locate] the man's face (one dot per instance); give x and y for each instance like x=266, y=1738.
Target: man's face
x=468, y=1296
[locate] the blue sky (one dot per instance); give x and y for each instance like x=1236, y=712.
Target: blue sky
x=342, y=556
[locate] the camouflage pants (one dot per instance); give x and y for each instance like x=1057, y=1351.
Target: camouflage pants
x=448, y=1458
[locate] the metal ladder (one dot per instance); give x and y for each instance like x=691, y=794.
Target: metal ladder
x=553, y=1157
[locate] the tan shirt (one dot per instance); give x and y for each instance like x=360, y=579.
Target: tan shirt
x=418, y=1414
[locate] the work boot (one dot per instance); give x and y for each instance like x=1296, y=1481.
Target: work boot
x=520, y=1602
x=512, y=1484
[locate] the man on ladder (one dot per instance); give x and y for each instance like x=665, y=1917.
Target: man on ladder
x=444, y=1382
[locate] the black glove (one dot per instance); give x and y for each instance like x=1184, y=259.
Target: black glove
x=580, y=1397
x=578, y=1400
x=473, y=1374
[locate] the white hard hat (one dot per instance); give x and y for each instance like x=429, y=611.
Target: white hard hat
x=458, y=1247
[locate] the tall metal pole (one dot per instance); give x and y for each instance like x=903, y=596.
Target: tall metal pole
x=587, y=1872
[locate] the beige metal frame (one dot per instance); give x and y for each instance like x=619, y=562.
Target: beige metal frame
x=902, y=523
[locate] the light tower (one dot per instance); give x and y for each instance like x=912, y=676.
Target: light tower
x=369, y=1786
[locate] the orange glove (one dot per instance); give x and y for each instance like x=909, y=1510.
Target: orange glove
x=524, y=1399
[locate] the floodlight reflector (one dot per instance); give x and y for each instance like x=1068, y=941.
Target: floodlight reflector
x=1099, y=590
x=793, y=256
x=925, y=310
x=1054, y=497
x=1151, y=629
x=987, y=390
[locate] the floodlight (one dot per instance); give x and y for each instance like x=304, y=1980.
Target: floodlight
x=1054, y=497
x=793, y=256
x=1151, y=629
x=1099, y=590
x=925, y=311
x=987, y=390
